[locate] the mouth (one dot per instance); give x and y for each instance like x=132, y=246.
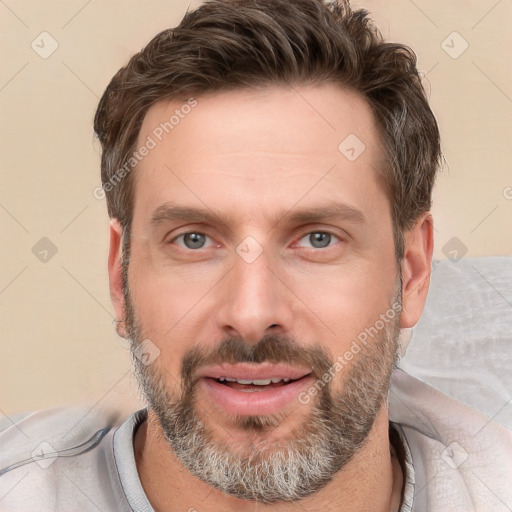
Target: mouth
x=254, y=389
x=255, y=385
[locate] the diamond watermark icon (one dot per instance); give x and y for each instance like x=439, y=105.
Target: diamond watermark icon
x=44, y=45
x=351, y=147
x=146, y=352
x=454, y=249
x=44, y=249
x=44, y=455
x=249, y=249
x=454, y=455
x=454, y=45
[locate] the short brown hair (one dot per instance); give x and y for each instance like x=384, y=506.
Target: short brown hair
x=228, y=44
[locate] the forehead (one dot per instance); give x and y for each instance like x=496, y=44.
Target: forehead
x=260, y=147
x=282, y=119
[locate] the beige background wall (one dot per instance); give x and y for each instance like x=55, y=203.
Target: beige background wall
x=58, y=343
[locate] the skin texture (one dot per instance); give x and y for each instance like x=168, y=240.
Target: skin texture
x=255, y=157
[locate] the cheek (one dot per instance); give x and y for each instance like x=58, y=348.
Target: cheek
x=163, y=308
x=166, y=308
x=346, y=302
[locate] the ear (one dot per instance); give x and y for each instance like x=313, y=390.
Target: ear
x=115, y=275
x=416, y=268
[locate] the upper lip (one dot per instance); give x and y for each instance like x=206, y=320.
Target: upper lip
x=252, y=371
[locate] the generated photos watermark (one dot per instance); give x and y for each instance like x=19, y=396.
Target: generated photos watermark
x=157, y=135
x=344, y=359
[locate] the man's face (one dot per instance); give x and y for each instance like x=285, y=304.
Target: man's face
x=262, y=248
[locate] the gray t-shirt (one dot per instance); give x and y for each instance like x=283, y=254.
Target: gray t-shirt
x=71, y=459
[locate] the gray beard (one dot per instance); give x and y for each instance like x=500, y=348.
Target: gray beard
x=335, y=430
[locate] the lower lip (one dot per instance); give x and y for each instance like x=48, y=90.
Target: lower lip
x=255, y=403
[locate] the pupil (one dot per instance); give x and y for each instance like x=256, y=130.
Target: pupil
x=320, y=240
x=194, y=240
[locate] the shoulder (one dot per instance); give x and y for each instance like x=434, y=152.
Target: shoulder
x=31, y=435
x=54, y=455
x=459, y=455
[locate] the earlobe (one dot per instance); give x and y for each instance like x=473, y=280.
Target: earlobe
x=115, y=275
x=416, y=268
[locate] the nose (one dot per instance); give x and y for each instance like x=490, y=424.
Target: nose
x=254, y=301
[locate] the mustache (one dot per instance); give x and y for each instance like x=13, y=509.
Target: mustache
x=271, y=348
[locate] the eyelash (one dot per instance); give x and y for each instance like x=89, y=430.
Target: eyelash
x=304, y=235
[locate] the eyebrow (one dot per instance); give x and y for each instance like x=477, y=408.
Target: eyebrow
x=329, y=212
x=170, y=212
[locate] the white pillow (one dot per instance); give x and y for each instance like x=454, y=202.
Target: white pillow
x=462, y=344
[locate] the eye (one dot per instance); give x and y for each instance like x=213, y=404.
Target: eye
x=192, y=240
x=318, y=240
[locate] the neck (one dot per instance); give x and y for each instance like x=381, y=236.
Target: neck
x=372, y=480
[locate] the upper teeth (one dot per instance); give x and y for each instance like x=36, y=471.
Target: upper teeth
x=260, y=382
